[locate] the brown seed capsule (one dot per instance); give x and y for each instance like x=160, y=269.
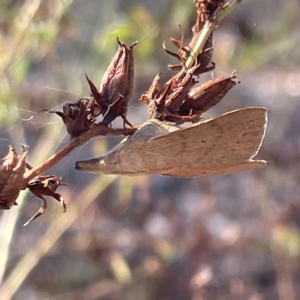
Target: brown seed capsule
x=12, y=182
x=225, y=144
x=117, y=85
x=79, y=116
x=203, y=97
x=11, y=177
x=182, y=83
x=167, y=101
x=179, y=102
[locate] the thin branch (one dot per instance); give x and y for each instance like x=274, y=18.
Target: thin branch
x=206, y=31
x=75, y=142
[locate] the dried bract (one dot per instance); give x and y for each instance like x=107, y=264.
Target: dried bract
x=152, y=92
x=45, y=185
x=116, y=86
x=11, y=177
x=79, y=116
x=203, y=60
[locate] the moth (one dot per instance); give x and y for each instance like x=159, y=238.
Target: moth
x=225, y=144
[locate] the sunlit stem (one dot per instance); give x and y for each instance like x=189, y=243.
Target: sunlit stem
x=207, y=29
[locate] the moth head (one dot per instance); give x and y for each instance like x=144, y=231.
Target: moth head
x=95, y=165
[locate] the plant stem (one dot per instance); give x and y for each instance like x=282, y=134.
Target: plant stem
x=75, y=142
x=206, y=31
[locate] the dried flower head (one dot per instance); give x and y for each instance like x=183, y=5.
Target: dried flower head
x=181, y=101
x=11, y=177
x=12, y=182
x=116, y=86
x=79, y=116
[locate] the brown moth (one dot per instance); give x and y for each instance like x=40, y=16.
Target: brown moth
x=225, y=144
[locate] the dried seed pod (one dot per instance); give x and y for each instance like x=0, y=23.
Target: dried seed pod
x=165, y=104
x=100, y=99
x=207, y=95
x=225, y=144
x=45, y=185
x=11, y=177
x=79, y=116
x=180, y=92
x=170, y=98
x=117, y=85
x=12, y=182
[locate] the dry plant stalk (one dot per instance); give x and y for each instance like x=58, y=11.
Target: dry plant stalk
x=222, y=145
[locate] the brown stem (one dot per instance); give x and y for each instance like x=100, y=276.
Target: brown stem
x=75, y=142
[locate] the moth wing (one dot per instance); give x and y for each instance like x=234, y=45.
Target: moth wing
x=225, y=144
x=197, y=171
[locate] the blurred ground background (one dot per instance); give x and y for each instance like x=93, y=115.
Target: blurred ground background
x=222, y=237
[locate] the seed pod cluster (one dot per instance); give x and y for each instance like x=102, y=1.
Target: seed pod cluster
x=11, y=177
x=182, y=99
x=12, y=181
x=110, y=100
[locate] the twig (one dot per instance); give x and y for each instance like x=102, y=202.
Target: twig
x=206, y=31
x=75, y=142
